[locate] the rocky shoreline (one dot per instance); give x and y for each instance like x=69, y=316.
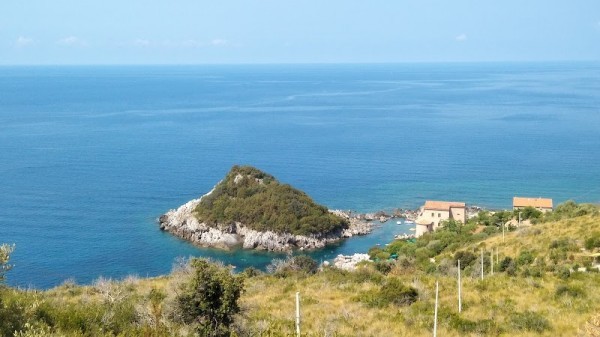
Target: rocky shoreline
x=182, y=223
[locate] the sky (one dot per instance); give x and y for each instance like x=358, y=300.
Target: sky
x=78, y=32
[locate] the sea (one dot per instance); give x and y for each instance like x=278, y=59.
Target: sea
x=91, y=156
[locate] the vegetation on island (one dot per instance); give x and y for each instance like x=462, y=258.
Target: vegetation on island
x=257, y=200
x=544, y=283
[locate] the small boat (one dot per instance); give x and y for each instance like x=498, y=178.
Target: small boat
x=398, y=222
x=412, y=229
x=408, y=222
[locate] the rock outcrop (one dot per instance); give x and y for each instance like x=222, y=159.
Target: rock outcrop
x=349, y=262
x=183, y=223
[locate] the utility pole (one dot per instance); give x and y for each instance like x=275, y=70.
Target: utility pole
x=519, y=219
x=459, y=290
x=297, y=314
x=482, y=264
x=436, y=310
x=497, y=255
x=492, y=262
x=503, y=225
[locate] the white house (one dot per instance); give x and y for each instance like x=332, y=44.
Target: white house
x=434, y=212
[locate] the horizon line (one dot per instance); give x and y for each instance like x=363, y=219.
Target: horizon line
x=294, y=63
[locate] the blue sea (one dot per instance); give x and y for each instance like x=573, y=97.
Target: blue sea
x=91, y=156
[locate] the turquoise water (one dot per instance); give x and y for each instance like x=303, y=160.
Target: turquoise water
x=91, y=156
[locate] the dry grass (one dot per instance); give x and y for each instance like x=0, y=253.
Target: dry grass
x=331, y=305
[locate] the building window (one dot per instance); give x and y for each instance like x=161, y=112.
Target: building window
x=439, y=215
x=432, y=215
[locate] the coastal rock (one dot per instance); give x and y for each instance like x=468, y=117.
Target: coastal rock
x=182, y=222
x=349, y=262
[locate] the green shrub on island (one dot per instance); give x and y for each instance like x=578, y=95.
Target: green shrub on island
x=257, y=200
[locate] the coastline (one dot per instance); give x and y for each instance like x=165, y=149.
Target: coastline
x=182, y=223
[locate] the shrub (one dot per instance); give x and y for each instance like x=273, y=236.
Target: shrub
x=293, y=265
x=5, y=251
x=525, y=258
x=377, y=254
x=563, y=272
x=383, y=267
x=508, y=265
x=534, y=271
x=12, y=312
x=210, y=299
x=569, y=290
x=251, y=272
x=392, y=292
x=530, y=213
x=593, y=241
x=570, y=209
x=466, y=258
x=529, y=321
x=486, y=327
x=304, y=263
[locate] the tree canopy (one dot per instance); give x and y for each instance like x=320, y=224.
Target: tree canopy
x=257, y=200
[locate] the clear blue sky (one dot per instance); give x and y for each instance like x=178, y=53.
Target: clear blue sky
x=305, y=31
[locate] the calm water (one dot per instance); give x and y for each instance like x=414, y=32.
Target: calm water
x=91, y=156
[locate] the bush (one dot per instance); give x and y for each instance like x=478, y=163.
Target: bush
x=383, y=267
x=529, y=321
x=210, y=299
x=486, y=327
x=593, y=241
x=534, y=271
x=525, y=258
x=563, y=272
x=392, y=292
x=377, y=254
x=12, y=312
x=570, y=209
x=569, y=290
x=529, y=213
x=251, y=272
x=5, y=251
x=466, y=258
x=509, y=266
x=304, y=263
x=293, y=265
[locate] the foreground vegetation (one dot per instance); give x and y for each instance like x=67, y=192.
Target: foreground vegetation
x=544, y=284
x=256, y=199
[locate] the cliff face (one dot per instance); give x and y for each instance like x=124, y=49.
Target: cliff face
x=186, y=223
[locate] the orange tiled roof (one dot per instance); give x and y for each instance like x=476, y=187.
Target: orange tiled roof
x=442, y=205
x=533, y=202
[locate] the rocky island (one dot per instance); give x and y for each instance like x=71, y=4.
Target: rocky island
x=251, y=209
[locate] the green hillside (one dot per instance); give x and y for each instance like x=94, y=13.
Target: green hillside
x=257, y=200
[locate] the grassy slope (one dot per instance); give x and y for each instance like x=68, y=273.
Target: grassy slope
x=328, y=304
x=331, y=303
